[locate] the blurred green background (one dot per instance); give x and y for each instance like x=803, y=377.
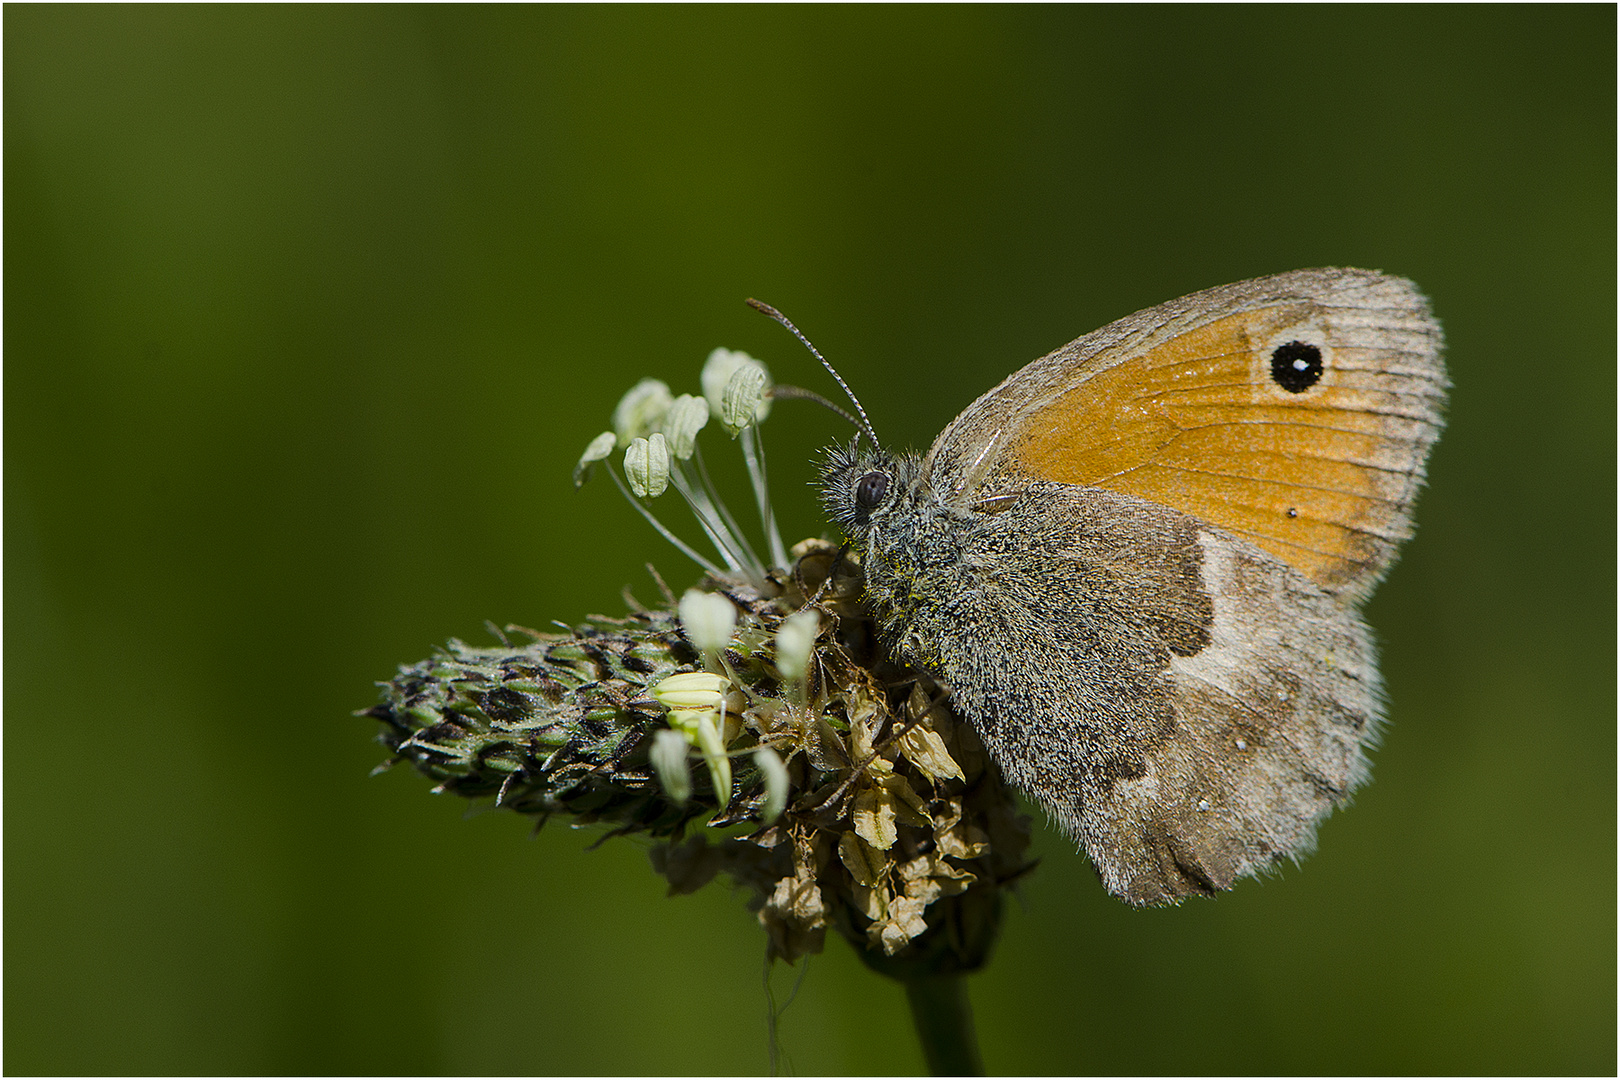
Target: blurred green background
x=309, y=312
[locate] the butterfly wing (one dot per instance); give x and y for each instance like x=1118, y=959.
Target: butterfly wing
x=1162, y=531
x=1295, y=411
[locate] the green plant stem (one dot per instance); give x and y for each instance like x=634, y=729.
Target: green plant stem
x=944, y=1020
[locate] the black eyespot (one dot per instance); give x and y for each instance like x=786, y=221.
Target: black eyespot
x=871, y=489
x=1293, y=512
x=1296, y=366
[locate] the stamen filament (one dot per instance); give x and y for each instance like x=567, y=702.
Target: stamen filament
x=720, y=504
x=731, y=546
x=754, y=454
x=685, y=548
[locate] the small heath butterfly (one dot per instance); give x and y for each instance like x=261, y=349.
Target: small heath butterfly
x=1136, y=565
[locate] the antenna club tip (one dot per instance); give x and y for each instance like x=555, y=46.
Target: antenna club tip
x=763, y=308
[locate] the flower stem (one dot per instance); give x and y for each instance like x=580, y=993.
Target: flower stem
x=944, y=1020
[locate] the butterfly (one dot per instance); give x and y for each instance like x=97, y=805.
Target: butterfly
x=1137, y=565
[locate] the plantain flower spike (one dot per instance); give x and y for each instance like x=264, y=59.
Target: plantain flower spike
x=840, y=791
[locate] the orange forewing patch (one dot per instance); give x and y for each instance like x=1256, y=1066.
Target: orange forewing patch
x=1316, y=478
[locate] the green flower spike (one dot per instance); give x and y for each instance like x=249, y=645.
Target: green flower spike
x=840, y=792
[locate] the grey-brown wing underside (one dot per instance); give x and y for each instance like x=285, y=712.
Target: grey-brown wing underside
x=1186, y=705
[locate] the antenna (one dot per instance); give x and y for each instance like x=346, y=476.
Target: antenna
x=766, y=309
x=782, y=392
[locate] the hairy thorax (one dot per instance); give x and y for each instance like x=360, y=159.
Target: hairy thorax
x=918, y=561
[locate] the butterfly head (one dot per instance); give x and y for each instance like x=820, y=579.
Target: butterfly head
x=862, y=485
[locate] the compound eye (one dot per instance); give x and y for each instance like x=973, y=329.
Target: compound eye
x=871, y=489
